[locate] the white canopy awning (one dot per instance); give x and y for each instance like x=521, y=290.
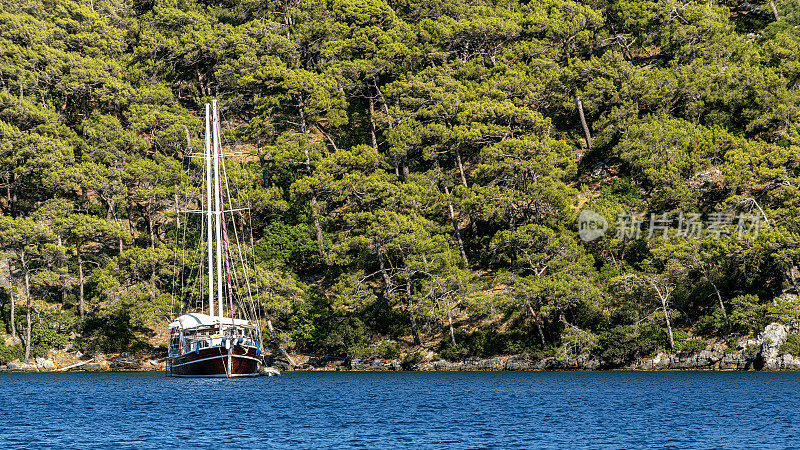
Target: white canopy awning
x=195, y=320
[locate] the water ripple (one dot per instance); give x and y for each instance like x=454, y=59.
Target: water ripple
x=435, y=410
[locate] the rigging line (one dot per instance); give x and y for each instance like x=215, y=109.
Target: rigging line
x=252, y=256
x=182, y=244
x=183, y=252
x=239, y=248
x=204, y=236
x=233, y=220
x=186, y=282
x=192, y=303
x=174, y=274
x=225, y=235
x=245, y=268
x=245, y=261
x=197, y=279
x=239, y=300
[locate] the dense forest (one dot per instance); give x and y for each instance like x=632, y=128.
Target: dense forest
x=414, y=171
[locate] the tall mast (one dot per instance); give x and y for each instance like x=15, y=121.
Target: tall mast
x=209, y=220
x=217, y=201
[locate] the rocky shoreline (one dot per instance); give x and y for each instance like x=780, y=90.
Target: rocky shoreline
x=760, y=353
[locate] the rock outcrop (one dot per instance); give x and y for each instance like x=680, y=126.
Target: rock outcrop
x=760, y=353
x=124, y=363
x=772, y=339
x=45, y=364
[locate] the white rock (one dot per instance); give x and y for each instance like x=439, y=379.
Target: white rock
x=45, y=364
x=772, y=338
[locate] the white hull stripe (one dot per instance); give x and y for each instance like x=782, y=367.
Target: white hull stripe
x=217, y=375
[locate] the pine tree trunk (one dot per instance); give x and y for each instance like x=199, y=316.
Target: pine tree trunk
x=663, y=298
x=579, y=106
x=669, y=326
x=27, y=308
x=8, y=192
x=414, y=329
x=719, y=295
x=314, y=208
x=372, y=123
x=151, y=229
x=81, y=304
x=13, y=306
x=538, y=325
x=472, y=223
x=774, y=10
x=452, y=333
x=390, y=293
x=112, y=209
x=455, y=228
x=13, y=200
x=386, y=279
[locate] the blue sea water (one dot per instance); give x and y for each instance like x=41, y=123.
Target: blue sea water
x=403, y=409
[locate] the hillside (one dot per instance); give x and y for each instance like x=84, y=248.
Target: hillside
x=604, y=179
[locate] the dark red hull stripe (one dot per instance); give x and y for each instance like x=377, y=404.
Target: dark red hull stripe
x=212, y=361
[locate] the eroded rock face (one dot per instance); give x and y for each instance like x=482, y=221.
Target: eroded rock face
x=126, y=363
x=15, y=365
x=362, y=364
x=772, y=338
x=92, y=367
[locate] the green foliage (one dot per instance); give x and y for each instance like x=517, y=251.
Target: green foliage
x=748, y=314
x=485, y=343
x=114, y=333
x=692, y=345
x=792, y=345
x=712, y=324
x=283, y=244
x=10, y=353
x=624, y=344
x=47, y=338
x=406, y=168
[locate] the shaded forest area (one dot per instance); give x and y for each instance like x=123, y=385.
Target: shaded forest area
x=414, y=169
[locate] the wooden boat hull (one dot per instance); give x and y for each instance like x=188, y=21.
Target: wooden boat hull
x=213, y=362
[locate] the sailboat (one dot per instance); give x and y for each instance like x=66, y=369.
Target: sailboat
x=212, y=345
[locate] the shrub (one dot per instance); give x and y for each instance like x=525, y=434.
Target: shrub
x=283, y=244
x=623, y=344
x=383, y=350
x=10, y=353
x=49, y=338
x=485, y=344
x=386, y=350
x=747, y=314
x=692, y=345
x=413, y=358
x=679, y=336
x=711, y=324
x=792, y=345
